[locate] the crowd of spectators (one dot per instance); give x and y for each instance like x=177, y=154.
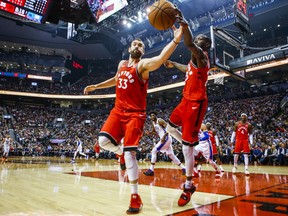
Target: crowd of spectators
x=159, y=78
x=44, y=131
x=162, y=77
x=24, y=57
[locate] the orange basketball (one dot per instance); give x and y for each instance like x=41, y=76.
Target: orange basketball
x=162, y=15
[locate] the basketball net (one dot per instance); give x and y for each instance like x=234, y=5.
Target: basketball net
x=219, y=80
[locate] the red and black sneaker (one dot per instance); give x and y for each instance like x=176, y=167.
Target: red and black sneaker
x=217, y=174
x=195, y=174
x=186, y=195
x=135, y=204
x=122, y=162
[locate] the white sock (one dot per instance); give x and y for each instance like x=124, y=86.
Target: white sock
x=246, y=161
x=134, y=188
x=236, y=156
x=188, y=183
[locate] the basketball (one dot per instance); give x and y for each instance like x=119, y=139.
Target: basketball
x=162, y=15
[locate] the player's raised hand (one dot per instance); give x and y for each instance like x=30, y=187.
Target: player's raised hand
x=180, y=18
x=178, y=32
x=88, y=89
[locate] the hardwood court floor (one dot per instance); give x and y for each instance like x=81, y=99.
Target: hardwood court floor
x=53, y=186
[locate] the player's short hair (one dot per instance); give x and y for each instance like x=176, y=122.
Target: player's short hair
x=153, y=112
x=208, y=41
x=208, y=124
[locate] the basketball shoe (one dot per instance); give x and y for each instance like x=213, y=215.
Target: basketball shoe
x=217, y=174
x=195, y=173
x=135, y=204
x=247, y=172
x=149, y=172
x=186, y=195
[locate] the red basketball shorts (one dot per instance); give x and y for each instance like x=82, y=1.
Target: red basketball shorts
x=189, y=115
x=125, y=124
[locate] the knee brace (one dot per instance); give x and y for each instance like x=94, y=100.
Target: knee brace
x=131, y=165
x=130, y=159
x=103, y=141
x=106, y=144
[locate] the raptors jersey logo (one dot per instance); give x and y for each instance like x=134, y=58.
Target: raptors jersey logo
x=242, y=131
x=131, y=90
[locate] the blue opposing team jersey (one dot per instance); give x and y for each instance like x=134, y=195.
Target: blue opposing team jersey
x=203, y=136
x=79, y=143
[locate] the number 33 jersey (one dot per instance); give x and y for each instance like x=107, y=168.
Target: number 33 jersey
x=131, y=90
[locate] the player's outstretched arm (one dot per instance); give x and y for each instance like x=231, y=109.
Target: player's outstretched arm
x=172, y=64
x=188, y=36
x=105, y=84
x=151, y=64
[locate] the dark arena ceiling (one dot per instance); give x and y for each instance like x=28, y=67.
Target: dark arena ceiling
x=110, y=37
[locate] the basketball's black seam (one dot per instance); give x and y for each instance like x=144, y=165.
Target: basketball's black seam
x=155, y=7
x=162, y=12
x=169, y=16
x=156, y=15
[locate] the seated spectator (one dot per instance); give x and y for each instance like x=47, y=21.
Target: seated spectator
x=282, y=154
x=266, y=155
x=274, y=155
x=256, y=155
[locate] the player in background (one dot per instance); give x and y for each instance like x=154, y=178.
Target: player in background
x=164, y=145
x=190, y=112
x=243, y=135
x=205, y=148
x=215, y=143
x=7, y=142
x=128, y=116
x=78, y=150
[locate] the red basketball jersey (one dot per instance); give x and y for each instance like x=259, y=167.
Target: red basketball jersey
x=242, y=132
x=213, y=142
x=212, y=138
x=195, y=81
x=131, y=90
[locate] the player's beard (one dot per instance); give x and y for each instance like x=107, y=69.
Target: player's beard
x=136, y=54
x=244, y=120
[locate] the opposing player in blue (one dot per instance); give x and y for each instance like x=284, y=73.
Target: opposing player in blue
x=78, y=150
x=164, y=145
